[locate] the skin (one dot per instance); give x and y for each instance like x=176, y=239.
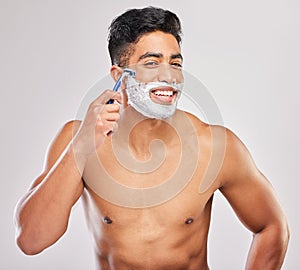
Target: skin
x=173, y=233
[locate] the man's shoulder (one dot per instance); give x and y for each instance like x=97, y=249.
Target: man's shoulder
x=70, y=127
x=206, y=128
x=72, y=124
x=67, y=131
x=219, y=135
x=197, y=122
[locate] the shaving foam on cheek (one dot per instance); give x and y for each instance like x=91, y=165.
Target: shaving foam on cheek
x=139, y=98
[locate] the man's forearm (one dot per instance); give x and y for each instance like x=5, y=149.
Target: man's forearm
x=268, y=248
x=42, y=215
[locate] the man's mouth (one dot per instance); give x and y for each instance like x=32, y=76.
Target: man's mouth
x=163, y=95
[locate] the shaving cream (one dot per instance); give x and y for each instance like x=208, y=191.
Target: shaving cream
x=139, y=98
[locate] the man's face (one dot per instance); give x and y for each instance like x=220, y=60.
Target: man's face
x=157, y=58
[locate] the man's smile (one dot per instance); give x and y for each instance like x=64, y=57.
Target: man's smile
x=163, y=95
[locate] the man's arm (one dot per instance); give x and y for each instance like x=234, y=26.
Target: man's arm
x=42, y=215
x=253, y=200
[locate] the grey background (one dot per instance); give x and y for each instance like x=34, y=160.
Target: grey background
x=245, y=52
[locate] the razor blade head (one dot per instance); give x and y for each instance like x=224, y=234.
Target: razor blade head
x=129, y=72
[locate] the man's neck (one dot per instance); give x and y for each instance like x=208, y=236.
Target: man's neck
x=141, y=133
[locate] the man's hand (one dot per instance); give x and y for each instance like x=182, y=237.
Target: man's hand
x=100, y=120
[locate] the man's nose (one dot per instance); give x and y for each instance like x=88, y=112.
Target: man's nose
x=169, y=74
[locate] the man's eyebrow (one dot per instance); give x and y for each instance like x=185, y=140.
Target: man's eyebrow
x=176, y=56
x=159, y=55
x=150, y=54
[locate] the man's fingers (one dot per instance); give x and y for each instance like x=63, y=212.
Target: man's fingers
x=106, y=96
x=107, y=128
x=115, y=127
x=111, y=108
x=110, y=116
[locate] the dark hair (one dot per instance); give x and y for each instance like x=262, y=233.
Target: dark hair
x=126, y=30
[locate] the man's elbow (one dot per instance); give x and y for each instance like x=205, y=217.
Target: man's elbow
x=279, y=234
x=28, y=247
x=283, y=232
x=32, y=242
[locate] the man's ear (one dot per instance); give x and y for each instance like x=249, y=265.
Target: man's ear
x=115, y=72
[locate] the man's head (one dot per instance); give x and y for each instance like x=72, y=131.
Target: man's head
x=148, y=42
x=128, y=28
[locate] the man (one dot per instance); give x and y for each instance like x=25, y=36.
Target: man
x=142, y=214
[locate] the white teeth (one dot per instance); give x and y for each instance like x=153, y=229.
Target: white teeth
x=163, y=93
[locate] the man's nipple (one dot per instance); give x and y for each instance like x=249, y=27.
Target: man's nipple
x=189, y=221
x=107, y=220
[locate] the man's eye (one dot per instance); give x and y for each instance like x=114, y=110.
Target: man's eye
x=151, y=64
x=177, y=65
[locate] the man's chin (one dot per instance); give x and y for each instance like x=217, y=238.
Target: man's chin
x=155, y=115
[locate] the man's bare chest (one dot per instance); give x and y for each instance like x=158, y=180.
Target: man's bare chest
x=122, y=178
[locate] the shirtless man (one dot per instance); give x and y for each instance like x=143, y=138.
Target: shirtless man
x=145, y=226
